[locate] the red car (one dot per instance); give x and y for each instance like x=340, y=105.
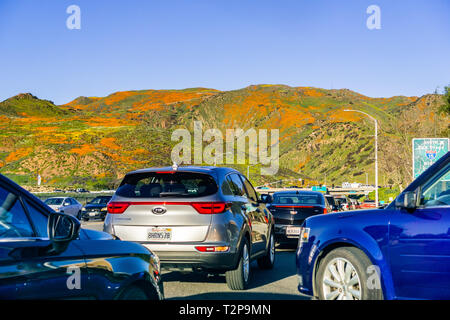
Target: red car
x=367, y=204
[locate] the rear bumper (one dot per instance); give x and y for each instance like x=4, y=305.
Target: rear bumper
x=186, y=257
x=280, y=233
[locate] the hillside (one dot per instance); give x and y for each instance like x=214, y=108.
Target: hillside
x=26, y=104
x=94, y=140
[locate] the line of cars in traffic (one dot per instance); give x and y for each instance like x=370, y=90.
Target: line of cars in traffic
x=211, y=219
x=94, y=209
x=197, y=218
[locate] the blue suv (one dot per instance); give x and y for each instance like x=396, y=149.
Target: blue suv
x=46, y=255
x=400, y=252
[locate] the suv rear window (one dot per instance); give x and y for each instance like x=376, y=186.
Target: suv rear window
x=167, y=185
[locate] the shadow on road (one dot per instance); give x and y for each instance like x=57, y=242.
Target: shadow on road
x=284, y=268
x=244, y=295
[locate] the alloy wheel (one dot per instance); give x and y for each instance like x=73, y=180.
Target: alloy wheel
x=341, y=281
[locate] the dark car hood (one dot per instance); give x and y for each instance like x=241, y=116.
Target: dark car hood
x=88, y=234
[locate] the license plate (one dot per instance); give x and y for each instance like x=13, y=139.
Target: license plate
x=293, y=212
x=293, y=231
x=160, y=234
x=92, y=214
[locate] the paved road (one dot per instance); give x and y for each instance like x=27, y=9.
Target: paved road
x=278, y=283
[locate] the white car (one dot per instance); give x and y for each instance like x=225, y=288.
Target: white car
x=65, y=205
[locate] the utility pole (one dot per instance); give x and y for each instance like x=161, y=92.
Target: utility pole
x=376, y=152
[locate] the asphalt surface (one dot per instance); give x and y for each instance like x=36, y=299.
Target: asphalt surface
x=280, y=283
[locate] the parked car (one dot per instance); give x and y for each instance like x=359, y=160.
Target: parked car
x=46, y=255
x=81, y=190
x=200, y=218
x=291, y=208
x=367, y=204
x=400, y=252
x=65, y=205
x=97, y=208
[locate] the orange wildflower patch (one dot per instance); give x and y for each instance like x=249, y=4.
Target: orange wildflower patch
x=104, y=122
x=312, y=93
x=343, y=116
x=83, y=150
x=46, y=129
x=53, y=139
x=110, y=143
x=18, y=154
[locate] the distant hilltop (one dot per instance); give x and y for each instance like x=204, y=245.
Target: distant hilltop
x=95, y=140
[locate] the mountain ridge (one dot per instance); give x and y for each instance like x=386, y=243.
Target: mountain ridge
x=96, y=140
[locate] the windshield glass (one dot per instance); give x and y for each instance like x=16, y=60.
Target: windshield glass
x=54, y=201
x=100, y=200
x=307, y=199
x=167, y=185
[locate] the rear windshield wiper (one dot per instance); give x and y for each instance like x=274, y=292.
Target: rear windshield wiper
x=173, y=194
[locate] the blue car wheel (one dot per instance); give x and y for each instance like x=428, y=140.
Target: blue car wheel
x=348, y=274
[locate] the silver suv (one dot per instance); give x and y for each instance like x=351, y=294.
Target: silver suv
x=197, y=218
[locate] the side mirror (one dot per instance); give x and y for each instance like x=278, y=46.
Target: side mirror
x=406, y=200
x=62, y=229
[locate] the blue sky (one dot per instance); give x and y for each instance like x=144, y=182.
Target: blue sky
x=222, y=44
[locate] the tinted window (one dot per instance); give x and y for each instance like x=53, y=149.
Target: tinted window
x=54, y=201
x=250, y=191
x=226, y=189
x=100, y=200
x=307, y=199
x=13, y=220
x=38, y=219
x=330, y=201
x=159, y=185
x=236, y=185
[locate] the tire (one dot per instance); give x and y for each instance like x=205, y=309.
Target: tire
x=85, y=219
x=268, y=261
x=361, y=283
x=133, y=293
x=238, y=279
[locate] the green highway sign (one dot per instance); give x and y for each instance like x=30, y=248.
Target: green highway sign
x=427, y=151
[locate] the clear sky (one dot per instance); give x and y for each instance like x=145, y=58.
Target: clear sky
x=222, y=44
